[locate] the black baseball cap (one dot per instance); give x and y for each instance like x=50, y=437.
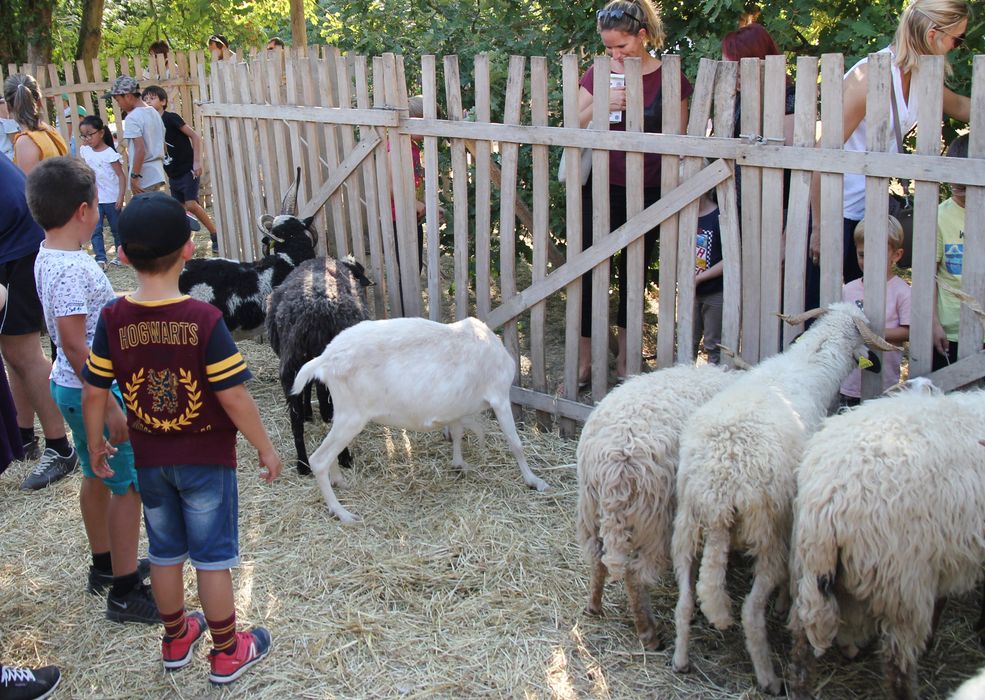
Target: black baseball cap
x=153, y=225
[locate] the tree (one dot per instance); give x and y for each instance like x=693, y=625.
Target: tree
x=90, y=30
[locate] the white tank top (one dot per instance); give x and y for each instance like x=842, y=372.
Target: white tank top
x=854, y=202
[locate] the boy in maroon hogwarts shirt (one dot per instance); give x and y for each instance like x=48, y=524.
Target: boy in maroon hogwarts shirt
x=182, y=380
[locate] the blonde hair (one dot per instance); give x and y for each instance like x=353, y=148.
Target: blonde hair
x=23, y=98
x=895, y=237
x=629, y=23
x=918, y=18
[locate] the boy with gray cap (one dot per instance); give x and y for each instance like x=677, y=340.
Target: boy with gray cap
x=144, y=133
x=183, y=385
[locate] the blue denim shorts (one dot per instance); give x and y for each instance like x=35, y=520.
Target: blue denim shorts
x=69, y=402
x=191, y=512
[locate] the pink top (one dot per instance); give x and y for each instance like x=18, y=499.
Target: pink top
x=897, y=315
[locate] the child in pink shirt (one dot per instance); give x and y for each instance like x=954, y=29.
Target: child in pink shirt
x=897, y=310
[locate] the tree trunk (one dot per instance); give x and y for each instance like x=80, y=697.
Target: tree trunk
x=299, y=32
x=90, y=30
x=12, y=46
x=37, y=25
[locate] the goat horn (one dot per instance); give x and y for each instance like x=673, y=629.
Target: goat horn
x=313, y=234
x=290, y=203
x=265, y=225
x=966, y=299
x=797, y=319
x=737, y=361
x=871, y=339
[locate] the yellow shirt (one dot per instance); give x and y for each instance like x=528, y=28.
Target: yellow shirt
x=49, y=141
x=950, y=261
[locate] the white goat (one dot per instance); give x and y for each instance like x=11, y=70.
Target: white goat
x=627, y=469
x=735, y=484
x=414, y=374
x=889, y=507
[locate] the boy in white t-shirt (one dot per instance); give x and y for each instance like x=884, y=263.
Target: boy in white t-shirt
x=897, y=310
x=61, y=193
x=144, y=132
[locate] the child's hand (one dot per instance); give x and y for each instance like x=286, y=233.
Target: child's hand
x=119, y=204
x=97, y=459
x=941, y=342
x=197, y=169
x=117, y=424
x=271, y=460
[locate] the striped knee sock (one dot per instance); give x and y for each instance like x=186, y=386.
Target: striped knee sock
x=223, y=634
x=174, y=623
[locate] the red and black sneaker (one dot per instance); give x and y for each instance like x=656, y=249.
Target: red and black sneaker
x=177, y=652
x=251, y=647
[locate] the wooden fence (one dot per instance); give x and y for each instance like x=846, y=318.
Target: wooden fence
x=343, y=121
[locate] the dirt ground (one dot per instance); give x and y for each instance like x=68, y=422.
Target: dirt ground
x=448, y=587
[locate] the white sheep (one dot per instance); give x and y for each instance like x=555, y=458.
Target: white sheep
x=627, y=469
x=889, y=507
x=414, y=374
x=735, y=483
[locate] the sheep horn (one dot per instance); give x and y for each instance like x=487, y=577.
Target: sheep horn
x=802, y=317
x=265, y=225
x=871, y=339
x=966, y=299
x=290, y=203
x=737, y=361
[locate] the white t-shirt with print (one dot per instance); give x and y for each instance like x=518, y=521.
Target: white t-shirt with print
x=69, y=283
x=101, y=163
x=146, y=123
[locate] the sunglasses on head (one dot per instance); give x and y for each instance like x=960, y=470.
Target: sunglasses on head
x=617, y=13
x=958, y=40
x=216, y=40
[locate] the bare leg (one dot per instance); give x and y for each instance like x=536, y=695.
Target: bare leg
x=94, y=500
x=504, y=414
x=684, y=612
x=639, y=603
x=168, y=587
x=215, y=590
x=754, y=626
x=29, y=369
x=124, y=531
x=199, y=213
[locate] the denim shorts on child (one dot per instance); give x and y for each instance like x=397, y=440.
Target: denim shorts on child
x=191, y=512
x=69, y=402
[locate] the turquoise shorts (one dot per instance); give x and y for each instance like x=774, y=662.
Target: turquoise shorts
x=69, y=401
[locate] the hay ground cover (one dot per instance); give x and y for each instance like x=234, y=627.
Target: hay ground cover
x=450, y=586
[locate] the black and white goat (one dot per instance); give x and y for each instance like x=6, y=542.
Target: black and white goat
x=240, y=289
x=319, y=299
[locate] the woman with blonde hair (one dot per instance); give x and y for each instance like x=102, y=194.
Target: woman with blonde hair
x=926, y=28
x=628, y=29
x=36, y=140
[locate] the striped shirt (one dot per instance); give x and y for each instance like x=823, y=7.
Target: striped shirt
x=169, y=357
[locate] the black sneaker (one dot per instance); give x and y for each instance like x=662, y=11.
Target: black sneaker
x=99, y=581
x=50, y=468
x=136, y=606
x=28, y=683
x=32, y=450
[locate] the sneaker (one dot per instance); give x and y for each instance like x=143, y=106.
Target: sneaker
x=102, y=265
x=28, y=683
x=50, y=468
x=136, y=606
x=177, y=652
x=32, y=450
x=193, y=223
x=117, y=262
x=99, y=581
x=251, y=646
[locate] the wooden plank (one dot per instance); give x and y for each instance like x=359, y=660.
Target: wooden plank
x=360, y=68
x=669, y=177
x=580, y=263
x=268, y=166
x=460, y=192
x=353, y=193
x=553, y=405
x=331, y=158
x=540, y=232
x=878, y=135
x=209, y=135
x=832, y=195
x=385, y=202
x=80, y=67
x=928, y=83
x=239, y=175
x=249, y=142
x=573, y=219
x=634, y=284
x=510, y=154
x=704, y=91
x=966, y=371
x=308, y=69
x=751, y=211
x=406, y=220
x=341, y=174
x=601, y=227
x=284, y=173
x=338, y=77
x=798, y=208
x=290, y=83
x=771, y=218
x=55, y=82
x=728, y=213
x=973, y=267
x=100, y=103
x=229, y=239
x=483, y=190
x=429, y=91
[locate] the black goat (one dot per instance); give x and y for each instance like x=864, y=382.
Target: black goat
x=317, y=301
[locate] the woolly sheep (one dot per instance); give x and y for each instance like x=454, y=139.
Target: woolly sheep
x=889, y=509
x=627, y=467
x=414, y=374
x=240, y=289
x=735, y=483
x=319, y=299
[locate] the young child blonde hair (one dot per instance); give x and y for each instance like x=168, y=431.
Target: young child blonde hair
x=895, y=236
